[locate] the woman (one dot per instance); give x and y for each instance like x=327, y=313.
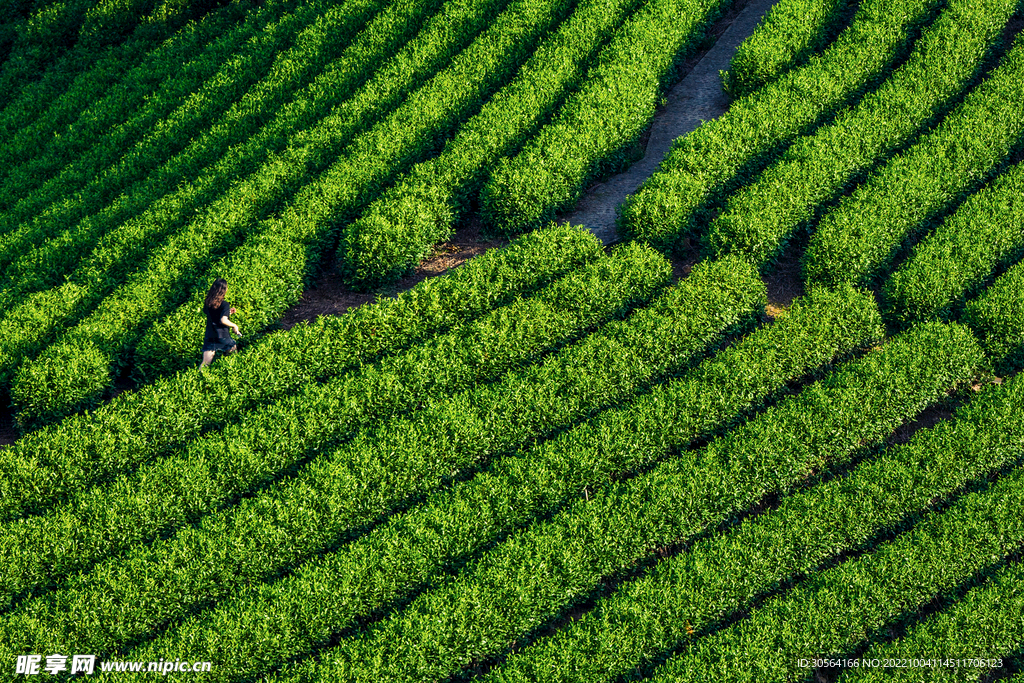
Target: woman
x=217, y=310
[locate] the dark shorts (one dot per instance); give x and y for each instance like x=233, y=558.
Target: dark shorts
x=224, y=344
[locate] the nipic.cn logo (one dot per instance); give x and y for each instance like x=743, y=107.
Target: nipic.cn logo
x=33, y=665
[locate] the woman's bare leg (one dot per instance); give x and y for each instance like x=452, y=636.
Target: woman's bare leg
x=207, y=358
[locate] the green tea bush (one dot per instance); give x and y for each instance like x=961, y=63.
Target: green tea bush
x=110, y=22
x=860, y=239
x=90, y=96
x=72, y=374
x=201, y=90
x=12, y=22
x=786, y=36
x=271, y=270
x=28, y=326
x=262, y=119
x=997, y=317
x=723, y=153
x=47, y=33
x=761, y=217
x=91, y=129
x=8, y=34
x=953, y=263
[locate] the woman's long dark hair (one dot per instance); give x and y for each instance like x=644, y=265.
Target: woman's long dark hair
x=215, y=297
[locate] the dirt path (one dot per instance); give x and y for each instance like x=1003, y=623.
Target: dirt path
x=332, y=296
x=697, y=97
x=8, y=434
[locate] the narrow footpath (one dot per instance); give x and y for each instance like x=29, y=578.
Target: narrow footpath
x=697, y=97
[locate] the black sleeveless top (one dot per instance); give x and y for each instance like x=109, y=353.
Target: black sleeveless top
x=215, y=330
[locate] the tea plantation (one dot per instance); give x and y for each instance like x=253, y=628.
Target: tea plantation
x=560, y=460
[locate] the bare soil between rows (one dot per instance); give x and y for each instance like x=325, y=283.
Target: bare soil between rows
x=331, y=296
x=8, y=434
